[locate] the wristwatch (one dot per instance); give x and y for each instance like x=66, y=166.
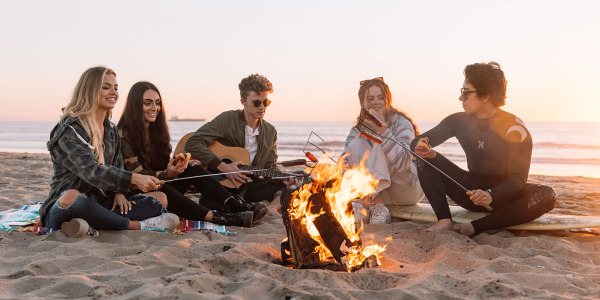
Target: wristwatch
x=490, y=192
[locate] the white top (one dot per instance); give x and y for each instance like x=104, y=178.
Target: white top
x=251, y=141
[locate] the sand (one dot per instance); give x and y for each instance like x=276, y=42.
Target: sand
x=208, y=265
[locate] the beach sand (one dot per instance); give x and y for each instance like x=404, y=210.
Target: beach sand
x=416, y=264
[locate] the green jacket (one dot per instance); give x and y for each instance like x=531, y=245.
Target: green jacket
x=76, y=167
x=228, y=128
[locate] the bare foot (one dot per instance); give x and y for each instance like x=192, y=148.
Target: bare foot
x=466, y=229
x=443, y=224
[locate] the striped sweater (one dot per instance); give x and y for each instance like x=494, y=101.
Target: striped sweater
x=401, y=130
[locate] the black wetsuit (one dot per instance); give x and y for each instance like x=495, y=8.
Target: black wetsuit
x=498, y=151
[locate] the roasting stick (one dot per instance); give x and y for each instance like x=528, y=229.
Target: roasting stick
x=379, y=139
x=192, y=177
x=209, y=175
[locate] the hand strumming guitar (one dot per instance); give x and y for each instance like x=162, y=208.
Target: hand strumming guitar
x=238, y=178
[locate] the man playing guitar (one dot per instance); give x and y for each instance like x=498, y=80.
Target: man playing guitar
x=247, y=129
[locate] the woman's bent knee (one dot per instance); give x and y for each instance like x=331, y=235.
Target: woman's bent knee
x=68, y=198
x=160, y=196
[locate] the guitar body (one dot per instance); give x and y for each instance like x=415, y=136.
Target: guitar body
x=229, y=155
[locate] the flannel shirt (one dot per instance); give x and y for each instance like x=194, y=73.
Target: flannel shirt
x=76, y=167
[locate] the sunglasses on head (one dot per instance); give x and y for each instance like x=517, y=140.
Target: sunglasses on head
x=374, y=79
x=265, y=102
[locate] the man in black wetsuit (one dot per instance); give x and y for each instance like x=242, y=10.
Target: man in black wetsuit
x=498, y=149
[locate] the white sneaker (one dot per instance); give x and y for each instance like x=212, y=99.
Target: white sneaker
x=166, y=221
x=379, y=214
x=360, y=214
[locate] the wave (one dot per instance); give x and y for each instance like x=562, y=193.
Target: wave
x=567, y=146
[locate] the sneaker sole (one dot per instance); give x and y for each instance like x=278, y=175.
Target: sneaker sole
x=75, y=228
x=247, y=215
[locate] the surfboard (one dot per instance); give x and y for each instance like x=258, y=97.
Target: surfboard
x=424, y=212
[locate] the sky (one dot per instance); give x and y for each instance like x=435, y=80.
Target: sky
x=314, y=52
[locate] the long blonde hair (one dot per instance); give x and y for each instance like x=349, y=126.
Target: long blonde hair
x=84, y=103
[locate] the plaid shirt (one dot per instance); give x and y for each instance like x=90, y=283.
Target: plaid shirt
x=76, y=167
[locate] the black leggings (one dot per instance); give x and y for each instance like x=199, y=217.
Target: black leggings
x=529, y=204
x=213, y=194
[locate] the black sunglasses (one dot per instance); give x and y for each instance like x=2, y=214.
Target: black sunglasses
x=374, y=79
x=265, y=102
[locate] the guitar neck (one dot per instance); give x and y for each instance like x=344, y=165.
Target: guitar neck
x=265, y=173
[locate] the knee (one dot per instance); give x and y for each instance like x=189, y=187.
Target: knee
x=68, y=198
x=161, y=197
x=544, y=197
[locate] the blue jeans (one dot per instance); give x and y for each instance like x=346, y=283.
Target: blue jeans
x=100, y=217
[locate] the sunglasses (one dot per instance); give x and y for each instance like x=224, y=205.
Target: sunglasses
x=374, y=79
x=464, y=93
x=265, y=102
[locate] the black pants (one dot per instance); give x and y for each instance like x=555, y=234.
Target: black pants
x=534, y=201
x=258, y=190
x=213, y=194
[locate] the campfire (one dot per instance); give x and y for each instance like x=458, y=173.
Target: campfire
x=320, y=223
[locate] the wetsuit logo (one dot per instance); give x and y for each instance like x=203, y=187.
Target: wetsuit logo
x=480, y=145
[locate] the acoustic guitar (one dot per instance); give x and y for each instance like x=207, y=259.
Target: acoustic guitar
x=232, y=154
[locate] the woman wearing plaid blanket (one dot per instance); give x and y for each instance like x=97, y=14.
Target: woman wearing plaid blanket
x=146, y=149
x=89, y=185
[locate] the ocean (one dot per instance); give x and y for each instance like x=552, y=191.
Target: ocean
x=562, y=149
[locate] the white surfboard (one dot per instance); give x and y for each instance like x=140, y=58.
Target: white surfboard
x=424, y=212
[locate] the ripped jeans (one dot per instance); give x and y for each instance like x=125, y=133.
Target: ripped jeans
x=100, y=217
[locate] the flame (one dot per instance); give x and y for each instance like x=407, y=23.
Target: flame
x=340, y=185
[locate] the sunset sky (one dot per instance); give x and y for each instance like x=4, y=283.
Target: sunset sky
x=314, y=52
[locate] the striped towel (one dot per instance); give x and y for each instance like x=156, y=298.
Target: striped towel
x=190, y=225
x=26, y=213
x=30, y=213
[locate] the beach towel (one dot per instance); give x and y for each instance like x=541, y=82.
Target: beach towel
x=30, y=214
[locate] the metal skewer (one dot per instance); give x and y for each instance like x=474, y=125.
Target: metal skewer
x=379, y=139
x=215, y=174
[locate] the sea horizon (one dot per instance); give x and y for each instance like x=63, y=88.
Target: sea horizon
x=559, y=148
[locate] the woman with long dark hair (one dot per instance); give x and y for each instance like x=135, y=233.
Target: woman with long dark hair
x=147, y=149
x=89, y=186
x=388, y=162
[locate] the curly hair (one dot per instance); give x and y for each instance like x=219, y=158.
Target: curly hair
x=390, y=110
x=153, y=150
x=488, y=80
x=255, y=83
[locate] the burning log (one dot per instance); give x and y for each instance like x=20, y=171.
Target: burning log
x=298, y=249
x=299, y=243
x=320, y=223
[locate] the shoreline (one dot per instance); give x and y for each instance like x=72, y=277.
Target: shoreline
x=206, y=265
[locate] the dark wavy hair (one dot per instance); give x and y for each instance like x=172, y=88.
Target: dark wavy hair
x=255, y=83
x=488, y=80
x=153, y=154
x=390, y=110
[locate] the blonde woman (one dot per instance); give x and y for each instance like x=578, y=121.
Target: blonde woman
x=89, y=186
x=388, y=162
